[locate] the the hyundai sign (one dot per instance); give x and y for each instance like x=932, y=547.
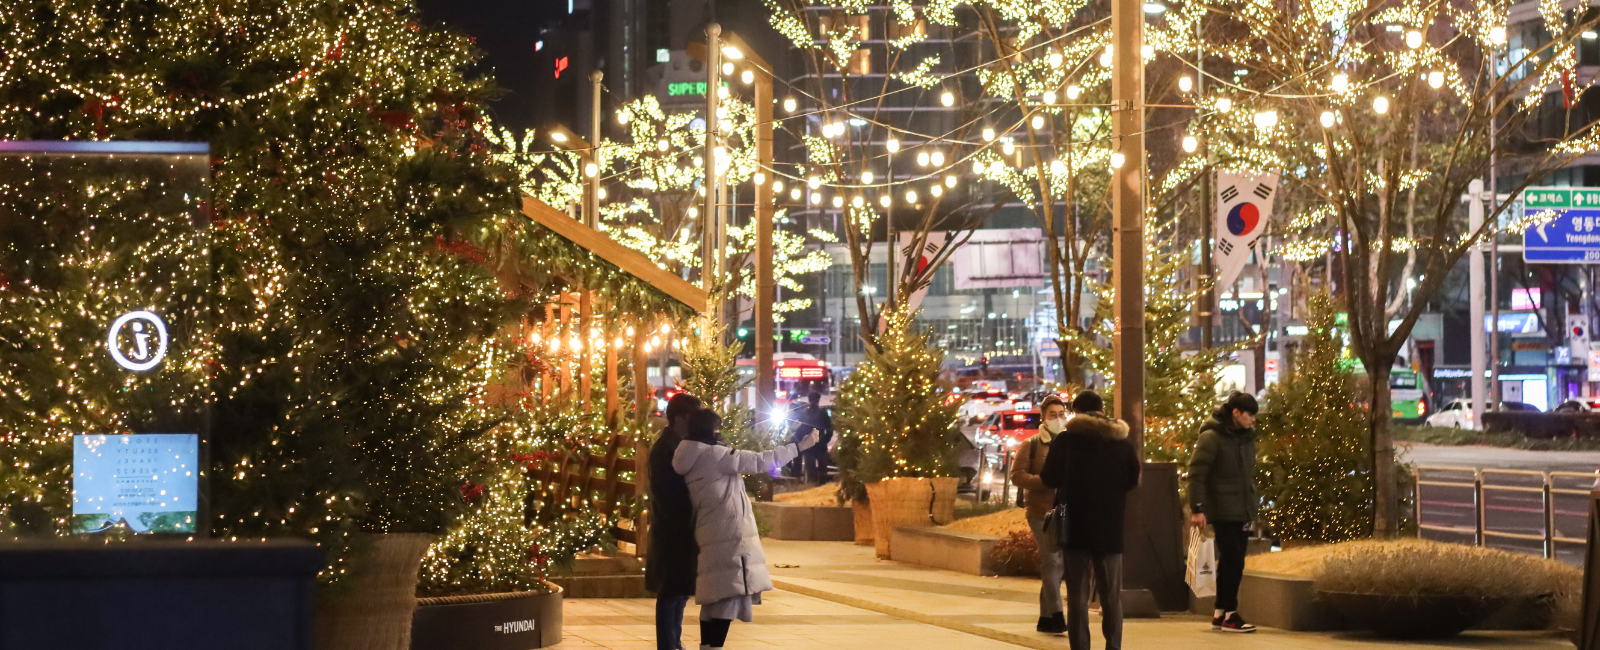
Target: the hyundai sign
x=1566, y=226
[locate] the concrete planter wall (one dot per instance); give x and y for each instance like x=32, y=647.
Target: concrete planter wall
x=505, y=621
x=945, y=549
x=808, y=523
x=1290, y=603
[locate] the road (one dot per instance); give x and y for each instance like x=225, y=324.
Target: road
x=1513, y=502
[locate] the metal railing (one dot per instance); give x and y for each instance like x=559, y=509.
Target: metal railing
x=1480, y=532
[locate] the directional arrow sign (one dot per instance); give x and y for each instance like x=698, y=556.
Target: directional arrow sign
x=1572, y=236
x=816, y=340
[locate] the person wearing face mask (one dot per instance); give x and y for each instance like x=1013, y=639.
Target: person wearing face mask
x=1222, y=494
x=1039, y=499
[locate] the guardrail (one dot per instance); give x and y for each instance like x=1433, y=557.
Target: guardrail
x=1480, y=533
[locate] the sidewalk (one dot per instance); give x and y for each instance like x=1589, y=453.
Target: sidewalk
x=838, y=595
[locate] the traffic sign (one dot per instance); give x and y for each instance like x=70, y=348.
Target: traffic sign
x=1569, y=236
x=815, y=340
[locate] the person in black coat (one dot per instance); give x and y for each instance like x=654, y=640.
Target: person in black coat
x=669, y=569
x=1092, y=466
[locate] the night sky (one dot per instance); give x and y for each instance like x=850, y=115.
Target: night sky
x=505, y=31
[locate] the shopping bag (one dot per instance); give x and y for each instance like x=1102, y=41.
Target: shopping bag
x=1202, y=569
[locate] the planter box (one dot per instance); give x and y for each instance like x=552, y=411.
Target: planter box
x=1289, y=603
x=945, y=549
x=1286, y=603
x=506, y=621
x=808, y=523
x=149, y=594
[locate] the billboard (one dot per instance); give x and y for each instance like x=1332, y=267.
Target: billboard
x=146, y=482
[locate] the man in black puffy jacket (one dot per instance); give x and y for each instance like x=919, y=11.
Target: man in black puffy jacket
x=1092, y=466
x=1222, y=493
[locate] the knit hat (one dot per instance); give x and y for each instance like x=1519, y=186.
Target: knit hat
x=1088, y=402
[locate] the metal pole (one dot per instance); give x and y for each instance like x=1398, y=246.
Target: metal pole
x=591, y=199
x=1549, y=519
x=709, y=225
x=1475, y=298
x=1416, y=498
x=766, y=381
x=1477, y=504
x=1127, y=206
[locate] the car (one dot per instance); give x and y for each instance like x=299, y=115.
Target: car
x=1579, y=405
x=980, y=404
x=1012, y=425
x=1458, y=413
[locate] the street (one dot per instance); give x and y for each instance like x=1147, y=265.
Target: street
x=1513, y=498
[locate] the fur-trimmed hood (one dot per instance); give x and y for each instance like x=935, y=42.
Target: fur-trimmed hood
x=1096, y=425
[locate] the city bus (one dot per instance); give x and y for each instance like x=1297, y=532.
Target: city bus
x=798, y=375
x=1408, y=398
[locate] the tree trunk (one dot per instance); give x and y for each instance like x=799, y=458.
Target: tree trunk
x=1385, y=487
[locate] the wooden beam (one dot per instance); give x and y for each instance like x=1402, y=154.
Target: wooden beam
x=585, y=368
x=608, y=249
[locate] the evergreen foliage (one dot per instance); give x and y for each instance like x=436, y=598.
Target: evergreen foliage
x=711, y=373
x=896, y=416
x=352, y=196
x=1314, y=467
x=1178, y=382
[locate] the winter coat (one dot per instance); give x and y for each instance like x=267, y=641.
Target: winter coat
x=731, y=562
x=1222, y=472
x=1092, y=465
x=1025, y=468
x=669, y=568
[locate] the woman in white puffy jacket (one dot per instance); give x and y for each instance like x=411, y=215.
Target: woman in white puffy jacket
x=732, y=568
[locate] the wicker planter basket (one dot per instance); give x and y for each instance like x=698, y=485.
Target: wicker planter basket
x=909, y=502
x=863, y=513
x=374, y=612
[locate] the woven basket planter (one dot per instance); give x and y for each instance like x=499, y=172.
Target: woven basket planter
x=909, y=502
x=863, y=514
x=374, y=611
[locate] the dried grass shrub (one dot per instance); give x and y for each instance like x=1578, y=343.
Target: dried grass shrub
x=1412, y=567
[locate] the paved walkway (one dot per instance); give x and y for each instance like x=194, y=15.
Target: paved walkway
x=837, y=595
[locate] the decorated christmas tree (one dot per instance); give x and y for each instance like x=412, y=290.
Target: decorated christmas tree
x=1315, y=465
x=711, y=373
x=354, y=312
x=896, y=416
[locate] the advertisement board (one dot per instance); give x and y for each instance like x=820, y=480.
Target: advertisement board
x=147, y=482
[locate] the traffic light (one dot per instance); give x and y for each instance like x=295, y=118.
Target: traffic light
x=743, y=332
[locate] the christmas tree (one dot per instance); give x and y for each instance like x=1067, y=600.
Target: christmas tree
x=1315, y=465
x=355, y=316
x=895, y=415
x=711, y=373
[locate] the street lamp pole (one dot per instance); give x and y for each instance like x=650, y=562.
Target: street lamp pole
x=1127, y=206
x=710, y=264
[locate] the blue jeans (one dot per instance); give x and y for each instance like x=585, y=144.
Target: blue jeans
x=669, y=621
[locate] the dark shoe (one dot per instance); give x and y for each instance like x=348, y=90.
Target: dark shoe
x=1231, y=622
x=1053, y=624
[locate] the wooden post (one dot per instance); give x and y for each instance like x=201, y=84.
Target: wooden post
x=612, y=395
x=547, y=330
x=766, y=381
x=585, y=368
x=641, y=381
x=565, y=371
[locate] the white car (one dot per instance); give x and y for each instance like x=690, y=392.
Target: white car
x=1456, y=414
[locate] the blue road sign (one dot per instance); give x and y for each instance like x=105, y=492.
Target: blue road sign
x=816, y=340
x=1572, y=236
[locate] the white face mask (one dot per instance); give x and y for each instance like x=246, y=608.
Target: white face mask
x=1055, y=425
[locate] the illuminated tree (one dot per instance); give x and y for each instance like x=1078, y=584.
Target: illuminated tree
x=895, y=415
x=1315, y=462
x=1380, y=115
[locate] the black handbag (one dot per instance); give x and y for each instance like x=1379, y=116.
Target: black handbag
x=1055, y=524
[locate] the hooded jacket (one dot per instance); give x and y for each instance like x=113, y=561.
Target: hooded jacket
x=731, y=562
x=1092, y=466
x=1222, y=472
